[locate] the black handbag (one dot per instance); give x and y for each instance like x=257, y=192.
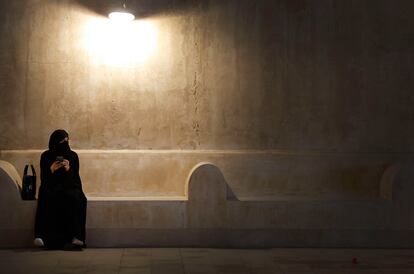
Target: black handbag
x=29, y=184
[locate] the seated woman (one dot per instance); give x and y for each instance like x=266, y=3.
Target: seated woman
x=61, y=206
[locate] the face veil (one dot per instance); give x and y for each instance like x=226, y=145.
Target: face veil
x=55, y=142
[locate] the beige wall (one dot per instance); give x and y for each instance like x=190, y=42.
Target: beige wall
x=306, y=107
x=294, y=75
x=295, y=98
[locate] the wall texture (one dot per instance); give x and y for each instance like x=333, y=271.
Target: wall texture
x=298, y=103
x=295, y=75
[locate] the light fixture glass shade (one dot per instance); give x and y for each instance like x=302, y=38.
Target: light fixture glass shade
x=121, y=16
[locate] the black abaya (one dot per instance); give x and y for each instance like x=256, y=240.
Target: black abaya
x=61, y=206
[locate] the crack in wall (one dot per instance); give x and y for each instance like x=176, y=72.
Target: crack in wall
x=196, y=125
x=195, y=90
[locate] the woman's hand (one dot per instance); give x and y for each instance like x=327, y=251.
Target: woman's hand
x=55, y=166
x=66, y=164
x=58, y=164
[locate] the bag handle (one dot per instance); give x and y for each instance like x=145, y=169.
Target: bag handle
x=32, y=168
x=25, y=170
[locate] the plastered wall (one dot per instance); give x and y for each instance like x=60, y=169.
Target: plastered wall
x=292, y=75
x=302, y=105
x=290, y=99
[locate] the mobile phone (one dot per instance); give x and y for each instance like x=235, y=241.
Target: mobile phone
x=59, y=158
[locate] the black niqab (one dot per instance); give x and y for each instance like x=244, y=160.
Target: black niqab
x=56, y=145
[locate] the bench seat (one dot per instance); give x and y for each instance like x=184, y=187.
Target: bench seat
x=211, y=214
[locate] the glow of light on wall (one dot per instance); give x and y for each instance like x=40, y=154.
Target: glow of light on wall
x=119, y=43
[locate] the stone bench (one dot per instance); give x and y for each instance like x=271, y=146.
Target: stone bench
x=252, y=175
x=210, y=213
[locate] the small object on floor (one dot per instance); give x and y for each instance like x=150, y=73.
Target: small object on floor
x=38, y=242
x=354, y=260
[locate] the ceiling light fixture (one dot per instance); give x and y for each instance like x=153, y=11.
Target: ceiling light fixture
x=122, y=15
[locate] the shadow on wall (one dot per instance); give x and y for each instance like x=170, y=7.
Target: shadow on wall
x=144, y=8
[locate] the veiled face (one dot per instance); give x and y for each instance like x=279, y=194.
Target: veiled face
x=57, y=138
x=66, y=139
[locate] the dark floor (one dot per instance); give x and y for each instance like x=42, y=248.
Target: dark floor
x=205, y=260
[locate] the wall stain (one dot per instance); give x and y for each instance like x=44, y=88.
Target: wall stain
x=195, y=96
